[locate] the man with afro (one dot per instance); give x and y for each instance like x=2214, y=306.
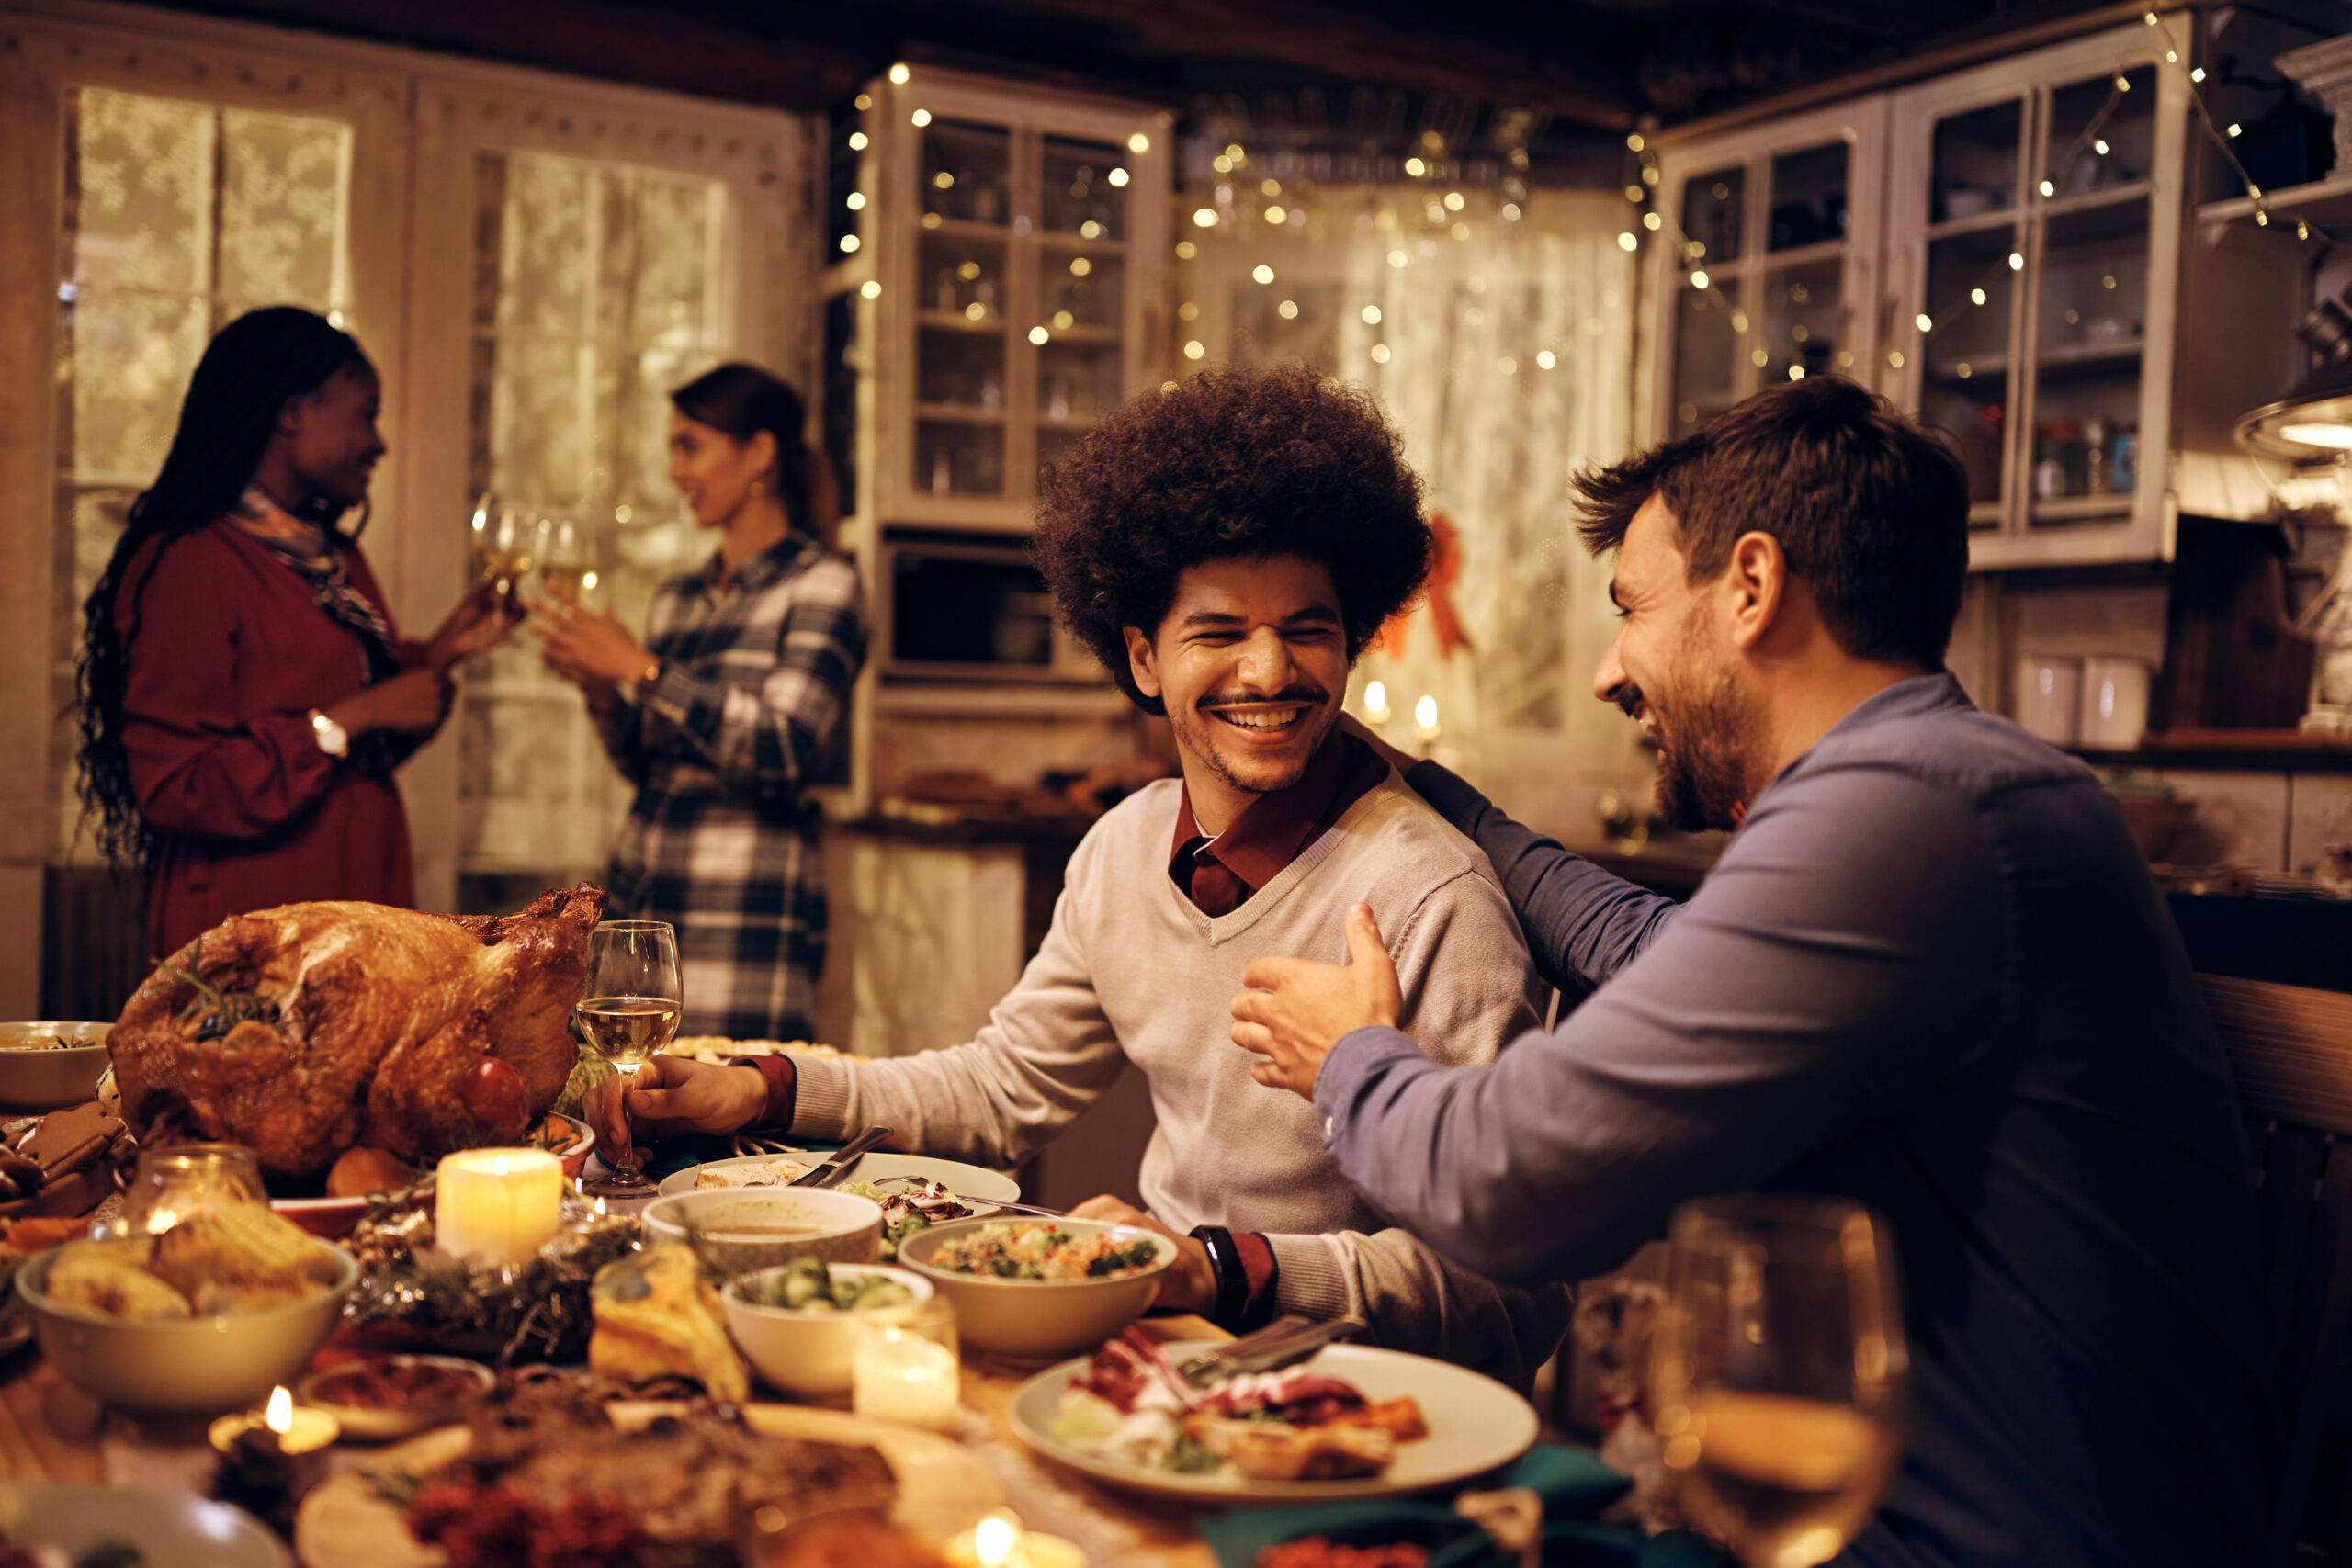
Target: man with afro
x=1226, y=548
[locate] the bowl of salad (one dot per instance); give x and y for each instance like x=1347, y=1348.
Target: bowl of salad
x=1040, y=1287
x=796, y=1322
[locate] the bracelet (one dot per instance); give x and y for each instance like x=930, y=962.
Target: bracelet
x=1232, y=1276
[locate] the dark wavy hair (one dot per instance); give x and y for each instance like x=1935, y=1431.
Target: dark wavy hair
x=740, y=400
x=249, y=371
x=1229, y=462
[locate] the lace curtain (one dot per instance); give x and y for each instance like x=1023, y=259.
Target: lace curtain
x=1500, y=336
x=594, y=298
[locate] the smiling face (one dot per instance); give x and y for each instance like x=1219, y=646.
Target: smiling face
x=713, y=470
x=1251, y=662
x=331, y=441
x=1671, y=669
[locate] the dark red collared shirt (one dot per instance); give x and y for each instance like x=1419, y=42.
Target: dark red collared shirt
x=1218, y=875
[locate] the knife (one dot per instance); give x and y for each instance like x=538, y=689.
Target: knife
x=830, y=1173
x=1276, y=1345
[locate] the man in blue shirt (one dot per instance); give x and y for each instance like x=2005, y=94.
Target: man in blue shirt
x=1931, y=973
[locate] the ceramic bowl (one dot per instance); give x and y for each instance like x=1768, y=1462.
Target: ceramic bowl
x=44, y=1065
x=1039, y=1318
x=738, y=1230
x=803, y=1352
x=191, y=1366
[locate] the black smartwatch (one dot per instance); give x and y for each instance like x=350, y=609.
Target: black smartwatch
x=1232, y=1277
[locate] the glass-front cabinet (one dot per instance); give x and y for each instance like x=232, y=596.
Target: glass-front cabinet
x=1004, y=250
x=1769, y=258
x=2033, y=236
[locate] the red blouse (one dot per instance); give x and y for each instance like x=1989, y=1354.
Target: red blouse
x=227, y=653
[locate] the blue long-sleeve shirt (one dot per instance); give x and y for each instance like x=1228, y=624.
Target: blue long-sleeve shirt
x=1931, y=974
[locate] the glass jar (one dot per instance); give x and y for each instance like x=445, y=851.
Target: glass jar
x=182, y=1181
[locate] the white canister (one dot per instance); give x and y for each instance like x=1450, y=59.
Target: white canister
x=2115, y=704
x=2049, y=696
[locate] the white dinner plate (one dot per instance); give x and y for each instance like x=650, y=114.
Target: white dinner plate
x=1476, y=1425
x=161, y=1527
x=971, y=1182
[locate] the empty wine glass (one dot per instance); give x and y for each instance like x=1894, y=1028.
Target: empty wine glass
x=629, y=1010
x=1777, y=1373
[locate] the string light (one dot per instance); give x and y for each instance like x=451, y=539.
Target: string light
x=1262, y=273
x=899, y=74
x=1117, y=176
x=857, y=201
x=1287, y=309
x=1205, y=217
x=857, y=141
x=1416, y=168
x=1371, y=314
x=869, y=289
x=1277, y=216
x=921, y=117
x=1193, y=350
x=1138, y=142
x=1546, y=358
x=1698, y=279
x=849, y=243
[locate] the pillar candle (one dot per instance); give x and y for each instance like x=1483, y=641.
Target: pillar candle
x=496, y=1206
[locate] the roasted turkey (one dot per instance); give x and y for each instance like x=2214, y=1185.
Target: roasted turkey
x=303, y=1031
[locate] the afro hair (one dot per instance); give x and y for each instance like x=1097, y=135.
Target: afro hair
x=1228, y=463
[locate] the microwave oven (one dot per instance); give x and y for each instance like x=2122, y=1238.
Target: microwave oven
x=960, y=609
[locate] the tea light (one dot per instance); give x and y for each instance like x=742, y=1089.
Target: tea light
x=999, y=1542
x=292, y=1430
x=896, y=1374
x=496, y=1206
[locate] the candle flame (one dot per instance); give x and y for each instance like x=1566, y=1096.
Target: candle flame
x=279, y=1417
x=600, y=1205
x=1376, y=698
x=993, y=1538
x=1425, y=713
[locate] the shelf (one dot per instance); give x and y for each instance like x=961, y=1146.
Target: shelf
x=1977, y=223
x=1057, y=240
x=2327, y=203
x=958, y=413
x=965, y=227
x=2064, y=206
x=1800, y=256
x=2223, y=748
x=2057, y=363
x=2080, y=508
x=956, y=321
x=1083, y=337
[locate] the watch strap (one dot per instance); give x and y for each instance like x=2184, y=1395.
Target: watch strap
x=1232, y=1274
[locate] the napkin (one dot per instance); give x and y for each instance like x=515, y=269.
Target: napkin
x=1573, y=1482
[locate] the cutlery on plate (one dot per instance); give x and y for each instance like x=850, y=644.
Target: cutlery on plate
x=1280, y=1343
x=840, y=1163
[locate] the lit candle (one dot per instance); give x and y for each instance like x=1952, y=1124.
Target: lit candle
x=1425, y=718
x=999, y=1542
x=896, y=1374
x=1375, y=703
x=496, y=1206
x=293, y=1431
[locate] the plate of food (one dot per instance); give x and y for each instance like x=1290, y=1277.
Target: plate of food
x=719, y=1050
x=550, y=1466
x=915, y=1190
x=1351, y=1421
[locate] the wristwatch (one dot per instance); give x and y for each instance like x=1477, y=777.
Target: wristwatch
x=332, y=737
x=1232, y=1274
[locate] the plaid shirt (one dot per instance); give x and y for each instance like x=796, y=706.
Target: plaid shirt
x=755, y=677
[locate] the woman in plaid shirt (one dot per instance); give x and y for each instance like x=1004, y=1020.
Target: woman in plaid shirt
x=728, y=713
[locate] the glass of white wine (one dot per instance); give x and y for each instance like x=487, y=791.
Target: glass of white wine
x=1776, y=1372
x=502, y=540
x=628, y=1011
x=564, y=564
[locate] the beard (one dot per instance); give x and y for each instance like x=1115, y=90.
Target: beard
x=1211, y=739
x=1708, y=725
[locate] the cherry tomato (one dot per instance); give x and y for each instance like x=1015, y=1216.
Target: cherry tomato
x=495, y=1095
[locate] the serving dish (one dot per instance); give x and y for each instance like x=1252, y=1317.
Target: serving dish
x=1476, y=1425
x=1040, y=1317
x=46, y=1064
x=164, y=1527
x=191, y=1365
x=333, y=1390
x=975, y=1184
x=734, y=1230
x=800, y=1351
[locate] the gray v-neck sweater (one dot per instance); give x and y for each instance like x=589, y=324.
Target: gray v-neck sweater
x=1133, y=971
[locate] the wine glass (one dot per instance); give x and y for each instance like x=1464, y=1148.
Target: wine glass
x=1777, y=1373
x=502, y=540
x=627, y=1012
x=563, y=560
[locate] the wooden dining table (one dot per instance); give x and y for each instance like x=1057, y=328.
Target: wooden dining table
x=51, y=1431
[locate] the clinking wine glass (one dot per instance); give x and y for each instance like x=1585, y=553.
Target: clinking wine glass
x=502, y=543
x=1777, y=1373
x=564, y=561
x=628, y=1011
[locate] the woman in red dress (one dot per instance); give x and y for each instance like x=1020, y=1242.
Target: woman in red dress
x=244, y=697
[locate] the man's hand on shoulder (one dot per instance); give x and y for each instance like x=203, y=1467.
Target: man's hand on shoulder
x=1294, y=1010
